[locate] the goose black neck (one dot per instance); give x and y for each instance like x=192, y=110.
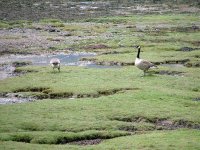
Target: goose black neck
x=138, y=54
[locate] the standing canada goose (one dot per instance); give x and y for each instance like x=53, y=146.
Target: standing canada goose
x=141, y=63
x=55, y=63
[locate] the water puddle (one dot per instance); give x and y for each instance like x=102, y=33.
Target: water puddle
x=14, y=100
x=197, y=99
x=173, y=65
x=6, y=71
x=67, y=59
x=171, y=73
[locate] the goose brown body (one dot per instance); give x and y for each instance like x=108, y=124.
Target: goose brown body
x=141, y=63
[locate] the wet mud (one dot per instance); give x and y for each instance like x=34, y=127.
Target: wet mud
x=87, y=142
x=157, y=124
x=39, y=93
x=13, y=98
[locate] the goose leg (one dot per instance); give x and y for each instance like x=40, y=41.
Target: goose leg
x=144, y=72
x=142, y=75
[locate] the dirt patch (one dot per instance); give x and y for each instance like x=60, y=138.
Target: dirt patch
x=13, y=98
x=69, y=10
x=188, y=49
x=195, y=43
x=92, y=95
x=158, y=123
x=30, y=41
x=87, y=142
x=20, y=63
x=163, y=29
x=10, y=69
x=193, y=28
x=182, y=61
x=165, y=124
x=6, y=71
x=197, y=99
x=114, y=63
x=113, y=52
x=60, y=95
x=108, y=63
x=98, y=46
x=38, y=93
x=34, y=41
x=192, y=64
x=167, y=72
x=185, y=62
x=65, y=138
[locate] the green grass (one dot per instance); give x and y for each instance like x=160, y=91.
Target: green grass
x=159, y=39
x=160, y=96
x=153, y=54
x=148, y=19
x=52, y=137
x=184, y=139
x=15, y=24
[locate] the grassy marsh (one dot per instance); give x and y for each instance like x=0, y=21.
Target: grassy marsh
x=115, y=105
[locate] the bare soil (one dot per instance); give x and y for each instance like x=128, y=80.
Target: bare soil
x=158, y=123
x=87, y=142
x=69, y=10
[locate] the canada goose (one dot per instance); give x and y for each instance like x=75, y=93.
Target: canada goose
x=55, y=63
x=141, y=63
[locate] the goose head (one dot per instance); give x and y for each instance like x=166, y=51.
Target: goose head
x=137, y=46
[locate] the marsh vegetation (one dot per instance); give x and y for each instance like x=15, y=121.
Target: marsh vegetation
x=102, y=102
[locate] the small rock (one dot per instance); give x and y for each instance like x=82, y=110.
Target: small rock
x=197, y=99
x=186, y=49
x=66, y=34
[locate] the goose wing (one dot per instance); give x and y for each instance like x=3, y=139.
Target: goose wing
x=145, y=65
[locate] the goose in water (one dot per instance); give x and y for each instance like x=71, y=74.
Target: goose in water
x=141, y=63
x=55, y=63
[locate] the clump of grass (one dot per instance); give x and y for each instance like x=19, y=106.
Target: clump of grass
x=52, y=22
x=72, y=27
x=135, y=127
x=186, y=139
x=4, y=24
x=21, y=63
x=60, y=137
x=15, y=24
